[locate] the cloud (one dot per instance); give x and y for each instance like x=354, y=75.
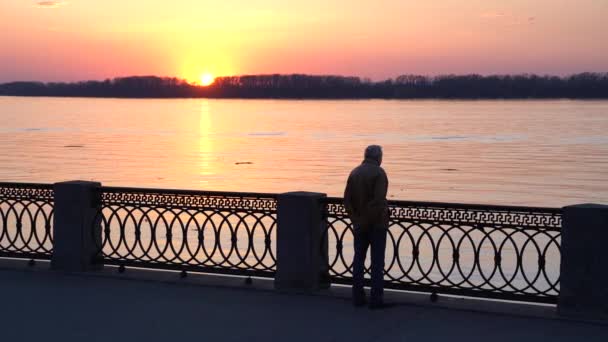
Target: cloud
x=493, y=15
x=51, y=4
x=508, y=19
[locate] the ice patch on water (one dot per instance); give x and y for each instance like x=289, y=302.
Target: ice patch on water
x=473, y=138
x=393, y=137
x=266, y=134
x=591, y=140
x=450, y=137
x=33, y=129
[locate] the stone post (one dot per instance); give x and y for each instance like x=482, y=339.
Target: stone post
x=584, y=265
x=300, y=262
x=76, y=236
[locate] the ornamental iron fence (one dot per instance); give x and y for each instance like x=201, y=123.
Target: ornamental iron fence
x=501, y=252
x=213, y=232
x=26, y=217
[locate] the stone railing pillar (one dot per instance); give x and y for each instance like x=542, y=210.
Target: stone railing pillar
x=584, y=265
x=300, y=264
x=75, y=234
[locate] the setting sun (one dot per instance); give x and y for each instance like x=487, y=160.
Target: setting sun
x=207, y=79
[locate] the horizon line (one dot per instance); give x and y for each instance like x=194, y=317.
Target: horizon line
x=363, y=78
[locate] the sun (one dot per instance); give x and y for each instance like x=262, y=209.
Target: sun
x=207, y=79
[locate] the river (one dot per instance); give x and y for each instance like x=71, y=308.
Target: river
x=530, y=152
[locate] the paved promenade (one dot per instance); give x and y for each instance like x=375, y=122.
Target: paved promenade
x=46, y=306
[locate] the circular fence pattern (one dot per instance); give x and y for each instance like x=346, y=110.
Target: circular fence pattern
x=223, y=233
x=26, y=216
x=501, y=252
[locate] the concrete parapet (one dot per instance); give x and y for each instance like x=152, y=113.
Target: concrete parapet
x=300, y=263
x=584, y=265
x=76, y=236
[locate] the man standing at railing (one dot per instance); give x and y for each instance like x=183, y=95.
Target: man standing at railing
x=365, y=202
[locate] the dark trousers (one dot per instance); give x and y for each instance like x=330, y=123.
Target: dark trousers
x=376, y=237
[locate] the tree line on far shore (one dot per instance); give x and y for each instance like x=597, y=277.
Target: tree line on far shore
x=578, y=86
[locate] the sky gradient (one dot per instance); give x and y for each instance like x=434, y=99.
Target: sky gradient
x=88, y=39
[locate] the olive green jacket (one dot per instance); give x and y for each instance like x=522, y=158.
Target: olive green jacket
x=365, y=195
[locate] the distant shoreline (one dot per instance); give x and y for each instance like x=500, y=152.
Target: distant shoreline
x=311, y=98
x=592, y=86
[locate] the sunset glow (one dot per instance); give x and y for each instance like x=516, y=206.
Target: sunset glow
x=379, y=39
x=207, y=79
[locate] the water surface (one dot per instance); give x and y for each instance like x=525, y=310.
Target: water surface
x=542, y=153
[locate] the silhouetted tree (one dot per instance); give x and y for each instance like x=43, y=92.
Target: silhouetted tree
x=585, y=85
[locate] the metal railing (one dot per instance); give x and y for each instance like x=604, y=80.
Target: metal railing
x=214, y=232
x=26, y=217
x=500, y=252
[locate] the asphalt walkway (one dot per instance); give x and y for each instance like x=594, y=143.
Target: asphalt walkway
x=46, y=306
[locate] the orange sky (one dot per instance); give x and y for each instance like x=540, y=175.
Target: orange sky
x=96, y=39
